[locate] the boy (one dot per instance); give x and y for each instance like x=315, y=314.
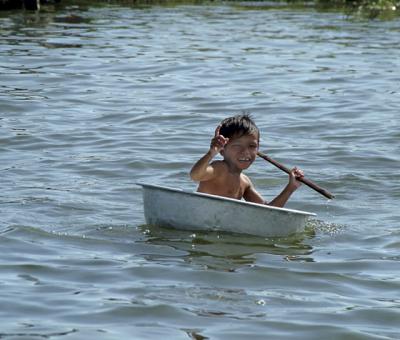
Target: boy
x=237, y=140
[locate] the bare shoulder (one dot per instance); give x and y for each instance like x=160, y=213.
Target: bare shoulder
x=218, y=163
x=246, y=181
x=218, y=166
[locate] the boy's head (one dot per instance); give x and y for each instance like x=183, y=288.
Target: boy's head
x=238, y=126
x=241, y=150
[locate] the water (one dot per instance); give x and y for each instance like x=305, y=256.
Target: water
x=95, y=99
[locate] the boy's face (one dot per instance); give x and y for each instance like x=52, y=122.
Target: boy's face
x=241, y=151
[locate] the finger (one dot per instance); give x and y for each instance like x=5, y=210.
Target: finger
x=218, y=142
x=217, y=130
x=222, y=139
x=299, y=173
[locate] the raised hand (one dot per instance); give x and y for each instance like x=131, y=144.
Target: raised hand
x=294, y=175
x=218, y=142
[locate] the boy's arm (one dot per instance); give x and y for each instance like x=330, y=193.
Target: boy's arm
x=252, y=195
x=202, y=170
x=291, y=187
x=282, y=198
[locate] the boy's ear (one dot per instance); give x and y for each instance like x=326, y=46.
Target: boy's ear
x=222, y=152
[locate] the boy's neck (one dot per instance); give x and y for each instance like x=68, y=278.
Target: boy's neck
x=232, y=169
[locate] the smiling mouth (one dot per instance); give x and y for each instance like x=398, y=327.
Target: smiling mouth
x=244, y=159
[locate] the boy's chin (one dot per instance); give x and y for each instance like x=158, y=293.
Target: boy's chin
x=244, y=165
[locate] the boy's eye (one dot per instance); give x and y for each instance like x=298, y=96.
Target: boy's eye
x=240, y=146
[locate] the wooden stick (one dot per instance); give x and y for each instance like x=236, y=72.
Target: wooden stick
x=306, y=181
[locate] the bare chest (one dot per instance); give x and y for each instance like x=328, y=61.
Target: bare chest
x=232, y=186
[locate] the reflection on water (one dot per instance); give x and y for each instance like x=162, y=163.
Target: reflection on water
x=227, y=251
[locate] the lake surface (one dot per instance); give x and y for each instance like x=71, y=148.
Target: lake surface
x=94, y=100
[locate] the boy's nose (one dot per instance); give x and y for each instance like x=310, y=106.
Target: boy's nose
x=246, y=151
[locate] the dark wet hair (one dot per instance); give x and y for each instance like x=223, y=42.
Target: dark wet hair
x=238, y=126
